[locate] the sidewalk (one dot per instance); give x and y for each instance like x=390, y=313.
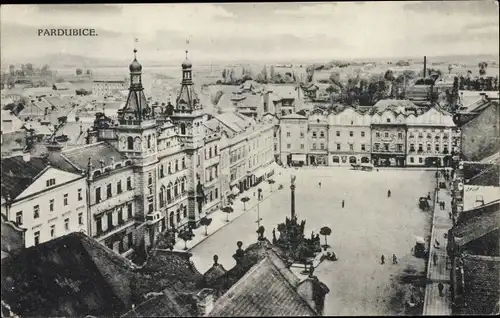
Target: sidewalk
x=434, y=304
x=219, y=218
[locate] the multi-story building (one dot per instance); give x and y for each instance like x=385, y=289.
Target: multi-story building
x=349, y=137
x=293, y=139
x=107, y=86
x=46, y=201
x=318, y=136
x=429, y=138
x=388, y=130
x=246, y=149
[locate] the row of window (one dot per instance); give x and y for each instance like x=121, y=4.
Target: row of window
x=172, y=168
x=119, y=245
x=109, y=219
x=209, y=154
x=322, y=146
x=386, y=134
x=322, y=134
x=429, y=136
x=36, y=234
x=109, y=189
x=211, y=173
x=399, y=147
x=178, y=188
x=437, y=147
x=36, y=208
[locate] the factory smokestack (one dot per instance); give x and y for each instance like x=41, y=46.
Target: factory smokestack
x=425, y=66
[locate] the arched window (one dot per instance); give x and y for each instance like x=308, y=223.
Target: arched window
x=169, y=167
x=176, y=165
x=176, y=188
x=185, y=212
x=171, y=217
x=335, y=159
x=183, y=185
x=365, y=160
x=169, y=192
x=352, y=159
x=130, y=143
x=183, y=163
x=178, y=216
x=162, y=196
x=149, y=141
x=162, y=173
x=183, y=128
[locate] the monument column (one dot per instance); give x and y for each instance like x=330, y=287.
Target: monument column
x=292, y=188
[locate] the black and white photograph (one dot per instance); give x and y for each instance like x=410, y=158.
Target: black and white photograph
x=239, y=159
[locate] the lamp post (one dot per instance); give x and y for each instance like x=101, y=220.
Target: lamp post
x=259, y=191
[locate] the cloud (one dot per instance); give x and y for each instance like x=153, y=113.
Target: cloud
x=481, y=25
x=308, y=10
x=477, y=7
x=73, y=8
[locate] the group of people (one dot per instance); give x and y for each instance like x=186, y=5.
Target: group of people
x=394, y=259
x=441, y=205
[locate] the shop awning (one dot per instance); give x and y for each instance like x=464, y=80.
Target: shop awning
x=261, y=172
x=299, y=157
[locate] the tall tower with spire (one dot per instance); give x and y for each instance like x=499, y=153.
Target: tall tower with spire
x=188, y=116
x=136, y=134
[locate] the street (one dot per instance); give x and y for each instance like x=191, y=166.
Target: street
x=370, y=225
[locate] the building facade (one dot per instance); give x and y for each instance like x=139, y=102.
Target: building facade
x=294, y=139
x=388, y=130
x=349, y=137
x=106, y=87
x=429, y=138
x=45, y=201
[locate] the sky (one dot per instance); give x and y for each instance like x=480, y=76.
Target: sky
x=251, y=32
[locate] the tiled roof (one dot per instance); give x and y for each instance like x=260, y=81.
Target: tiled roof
x=166, y=304
x=294, y=116
x=481, y=278
x=96, y=152
x=233, y=121
x=212, y=124
x=476, y=227
x=263, y=291
x=213, y=274
x=493, y=159
x=75, y=131
x=73, y=276
x=136, y=103
x=57, y=101
x=18, y=175
x=169, y=269
x=64, y=86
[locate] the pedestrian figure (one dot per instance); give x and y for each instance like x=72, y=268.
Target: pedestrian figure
x=394, y=259
x=440, y=287
x=428, y=196
x=343, y=203
x=382, y=260
x=444, y=207
x=435, y=258
x=389, y=193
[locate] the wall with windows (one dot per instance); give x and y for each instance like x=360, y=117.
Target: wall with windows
x=57, y=210
x=427, y=141
x=293, y=137
x=112, y=203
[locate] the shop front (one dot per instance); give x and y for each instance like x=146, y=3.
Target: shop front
x=318, y=160
x=298, y=160
x=388, y=160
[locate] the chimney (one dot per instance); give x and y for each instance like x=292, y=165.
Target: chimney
x=425, y=66
x=26, y=156
x=205, y=301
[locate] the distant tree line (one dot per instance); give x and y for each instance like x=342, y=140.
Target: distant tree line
x=229, y=76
